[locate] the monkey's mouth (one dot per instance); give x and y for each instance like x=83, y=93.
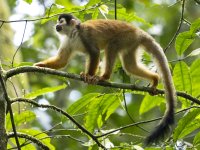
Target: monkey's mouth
x=58, y=28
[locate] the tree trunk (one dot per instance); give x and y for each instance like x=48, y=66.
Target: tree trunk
x=3, y=136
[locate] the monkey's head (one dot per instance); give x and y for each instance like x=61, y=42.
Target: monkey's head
x=65, y=23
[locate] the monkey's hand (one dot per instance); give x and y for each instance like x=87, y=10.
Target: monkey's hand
x=89, y=79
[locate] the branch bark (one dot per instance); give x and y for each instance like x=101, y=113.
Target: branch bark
x=3, y=141
x=7, y=101
x=15, y=71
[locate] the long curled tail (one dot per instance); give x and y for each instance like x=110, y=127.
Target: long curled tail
x=165, y=124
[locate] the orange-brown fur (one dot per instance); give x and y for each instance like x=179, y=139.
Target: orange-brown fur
x=116, y=38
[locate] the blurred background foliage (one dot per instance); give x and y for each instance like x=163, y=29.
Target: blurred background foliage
x=100, y=108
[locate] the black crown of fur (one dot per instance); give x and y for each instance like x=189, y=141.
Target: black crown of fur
x=67, y=17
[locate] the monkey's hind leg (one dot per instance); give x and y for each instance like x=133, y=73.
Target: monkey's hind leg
x=109, y=61
x=132, y=66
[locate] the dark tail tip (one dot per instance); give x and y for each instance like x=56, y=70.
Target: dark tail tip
x=161, y=131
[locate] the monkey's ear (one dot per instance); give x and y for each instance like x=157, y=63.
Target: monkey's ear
x=74, y=22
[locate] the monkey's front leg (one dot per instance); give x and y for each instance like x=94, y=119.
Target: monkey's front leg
x=91, y=68
x=55, y=62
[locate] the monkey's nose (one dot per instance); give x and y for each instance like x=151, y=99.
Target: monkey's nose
x=58, y=28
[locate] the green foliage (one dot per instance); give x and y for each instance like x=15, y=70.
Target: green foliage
x=21, y=141
x=196, y=141
x=28, y=1
x=150, y=102
x=43, y=91
x=185, y=39
x=20, y=119
x=92, y=2
x=182, y=80
x=98, y=108
x=187, y=124
x=41, y=136
x=195, y=75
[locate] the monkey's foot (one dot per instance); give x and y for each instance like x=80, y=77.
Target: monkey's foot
x=153, y=91
x=90, y=79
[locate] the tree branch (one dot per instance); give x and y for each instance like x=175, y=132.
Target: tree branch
x=52, y=107
x=15, y=71
x=29, y=137
x=141, y=122
x=5, y=94
x=179, y=26
x=52, y=16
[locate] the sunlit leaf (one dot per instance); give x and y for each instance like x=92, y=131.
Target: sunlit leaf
x=150, y=102
x=12, y=143
x=82, y=103
x=46, y=90
x=92, y=2
x=187, y=124
x=195, y=26
x=104, y=10
x=129, y=17
x=182, y=80
x=21, y=118
x=28, y=1
x=183, y=41
x=194, y=52
x=100, y=109
x=196, y=141
x=23, y=64
x=41, y=136
x=195, y=75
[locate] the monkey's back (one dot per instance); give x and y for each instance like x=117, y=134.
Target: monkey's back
x=117, y=32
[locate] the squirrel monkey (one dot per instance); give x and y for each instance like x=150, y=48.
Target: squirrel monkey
x=116, y=38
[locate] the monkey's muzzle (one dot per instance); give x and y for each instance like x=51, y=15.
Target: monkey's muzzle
x=58, y=28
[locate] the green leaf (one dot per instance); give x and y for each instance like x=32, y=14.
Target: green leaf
x=92, y=2
x=100, y=109
x=45, y=91
x=41, y=136
x=182, y=80
x=23, y=64
x=129, y=17
x=194, y=52
x=195, y=75
x=21, y=118
x=195, y=26
x=183, y=41
x=82, y=103
x=95, y=13
x=12, y=144
x=187, y=124
x=28, y=1
x=182, y=77
x=196, y=141
x=150, y=102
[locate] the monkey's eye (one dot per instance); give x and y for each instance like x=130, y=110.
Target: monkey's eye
x=61, y=21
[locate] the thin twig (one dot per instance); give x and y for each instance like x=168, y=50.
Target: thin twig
x=25, y=69
x=52, y=16
x=51, y=137
x=20, y=44
x=9, y=108
x=179, y=26
x=52, y=107
x=115, y=9
x=31, y=138
x=127, y=112
x=142, y=122
x=1, y=24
